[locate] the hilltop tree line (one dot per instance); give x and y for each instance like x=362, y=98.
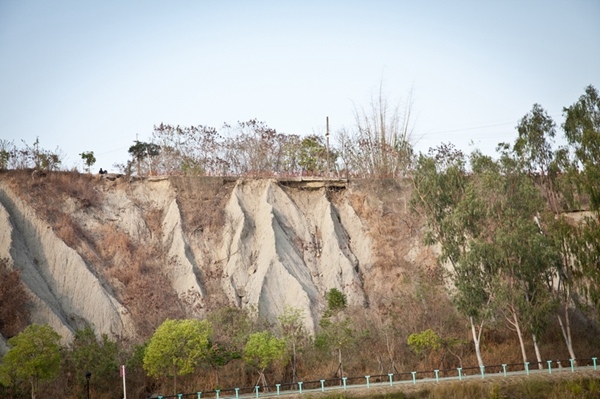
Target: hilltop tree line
x=377, y=145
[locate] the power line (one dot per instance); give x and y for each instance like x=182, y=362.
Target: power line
x=479, y=127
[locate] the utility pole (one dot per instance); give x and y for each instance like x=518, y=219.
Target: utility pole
x=327, y=140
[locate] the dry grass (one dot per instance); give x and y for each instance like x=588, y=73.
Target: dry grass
x=14, y=310
x=202, y=202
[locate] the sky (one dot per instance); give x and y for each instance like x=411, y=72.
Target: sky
x=97, y=75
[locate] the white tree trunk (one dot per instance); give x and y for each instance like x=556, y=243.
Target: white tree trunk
x=537, y=352
x=517, y=326
x=477, y=340
x=566, y=330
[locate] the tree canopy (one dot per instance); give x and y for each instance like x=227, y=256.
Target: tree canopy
x=34, y=356
x=176, y=348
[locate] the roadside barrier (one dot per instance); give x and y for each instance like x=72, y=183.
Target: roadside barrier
x=380, y=380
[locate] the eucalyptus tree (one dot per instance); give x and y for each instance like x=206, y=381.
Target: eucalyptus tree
x=534, y=150
x=507, y=243
x=582, y=131
x=440, y=181
x=485, y=224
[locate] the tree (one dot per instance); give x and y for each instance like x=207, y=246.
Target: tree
x=6, y=152
x=99, y=356
x=89, y=159
x=336, y=301
x=140, y=151
x=336, y=332
x=379, y=142
x=440, y=183
x=505, y=241
x=533, y=149
x=292, y=329
x=486, y=225
x=262, y=349
x=34, y=355
x=176, y=348
x=313, y=155
x=582, y=130
x=193, y=150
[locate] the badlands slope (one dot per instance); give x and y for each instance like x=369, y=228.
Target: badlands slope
x=122, y=255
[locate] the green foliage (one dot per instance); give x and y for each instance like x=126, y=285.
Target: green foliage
x=140, y=151
x=4, y=158
x=263, y=348
x=336, y=301
x=176, y=347
x=99, y=357
x=313, y=156
x=422, y=342
x=88, y=158
x=582, y=130
x=34, y=356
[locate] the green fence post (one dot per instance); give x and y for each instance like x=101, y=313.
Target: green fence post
x=277, y=386
x=179, y=395
x=199, y=395
x=256, y=389
x=344, y=380
x=300, y=386
x=414, y=373
x=237, y=393
x=527, y=367
x=572, y=365
x=322, y=385
x=367, y=377
x=482, y=371
x=437, y=372
x=594, y=360
x=504, y=369
x=391, y=378
x=217, y=391
x=459, y=373
x=549, y=366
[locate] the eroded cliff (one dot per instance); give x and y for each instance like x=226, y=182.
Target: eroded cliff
x=123, y=254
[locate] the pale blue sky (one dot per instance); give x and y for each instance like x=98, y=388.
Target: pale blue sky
x=91, y=75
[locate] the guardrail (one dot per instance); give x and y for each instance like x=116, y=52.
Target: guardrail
x=412, y=377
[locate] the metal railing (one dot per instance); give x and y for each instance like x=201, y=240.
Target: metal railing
x=379, y=380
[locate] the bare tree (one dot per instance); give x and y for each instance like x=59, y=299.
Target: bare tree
x=379, y=143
